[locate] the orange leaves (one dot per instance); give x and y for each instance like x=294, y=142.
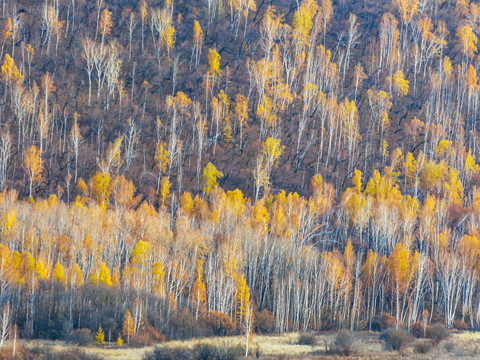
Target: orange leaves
x=241, y=110
x=143, y=9
x=472, y=78
x=402, y=265
x=468, y=40
x=198, y=39
x=197, y=34
x=407, y=8
x=336, y=271
x=373, y=267
x=323, y=194
x=128, y=329
x=165, y=186
x=167, y=37
x=198, y=294
x=33, y=164
x=106, y=22
x=469, y=248
x=267, y=159
x=162, y=157
x=243, y=300
x=123, y=192
x=113, y=157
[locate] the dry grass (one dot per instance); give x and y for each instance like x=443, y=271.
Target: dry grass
x=464, y=345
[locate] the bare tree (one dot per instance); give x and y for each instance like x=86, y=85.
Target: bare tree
x=5, y=320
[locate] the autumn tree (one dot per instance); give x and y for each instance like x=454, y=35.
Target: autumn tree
x=75, y=139
x=214, y=63
x=468, y=41
x=143, y=17
x=105, y=25
x=10, y=72
x=33, y=165
x=100, y=336
x=267, y=159
x=210, y=177
x=198, y=294
x=128, y=326
x=162, y=159
x=245, y=311
x=89, y=54
x=402, y=266
x=197, y=43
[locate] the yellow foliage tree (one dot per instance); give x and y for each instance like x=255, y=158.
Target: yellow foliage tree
x=162, y=159
x=33, y=164
x=214, y=62
x=165, y=186
x=59, y=274
x=303, y=22
x=401, y=266
x=10, y=72
x=101, y=275
x=468, y=40
x=101, y=188
x=210, y=176
x=100, y=336
x=245, y=311
x=198, y=294
x=128, y=326
x=119, y=340
x=141, y=254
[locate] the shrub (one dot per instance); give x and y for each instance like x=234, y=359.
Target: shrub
x=343, y=343
x=219, y=324
x=460, y=325
x=362, y=325
x=205, y=352
x=418, y=329
x=146, y=336
x=449, y=346
x=47, y=353
x=437, y=332
x=230, y=353
x=265, y=322
x=383, y=322
x=183, y=325
x=163, y=353
x=81, y=337
x=212, y=352
x=199, y=352
x=395, y=339
x=306, y=338
x=388, y=320
x=422, y=347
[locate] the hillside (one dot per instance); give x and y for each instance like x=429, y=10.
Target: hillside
x=196, y=168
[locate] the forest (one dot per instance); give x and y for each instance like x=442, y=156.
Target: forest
x=172, y=169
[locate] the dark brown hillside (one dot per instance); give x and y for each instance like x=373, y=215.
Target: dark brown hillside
x=147, y=82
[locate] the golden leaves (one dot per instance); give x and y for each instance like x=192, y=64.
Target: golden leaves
x=214, y=62
x=210, y=176
x=10, y=72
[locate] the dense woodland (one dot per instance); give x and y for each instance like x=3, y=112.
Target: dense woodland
x=185, y=168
